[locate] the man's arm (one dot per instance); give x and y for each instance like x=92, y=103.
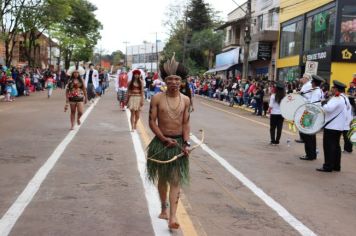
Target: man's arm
x=186, y=119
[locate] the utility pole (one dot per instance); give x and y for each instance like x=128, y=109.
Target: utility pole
x=247, y=40
x=185, y=35
x=157, y=65
x=126, y=42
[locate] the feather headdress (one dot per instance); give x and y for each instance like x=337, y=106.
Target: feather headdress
x=172, y=67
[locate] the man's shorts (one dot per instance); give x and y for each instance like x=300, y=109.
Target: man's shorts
x=122, y=95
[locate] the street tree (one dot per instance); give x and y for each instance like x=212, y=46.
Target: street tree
x=38, y=18
x=11, y=13
x=79, y=33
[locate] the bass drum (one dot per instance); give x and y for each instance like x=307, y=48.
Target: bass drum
x=290, y=104
x=309, y=118
x=352, y=132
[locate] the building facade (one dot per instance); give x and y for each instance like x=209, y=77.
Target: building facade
x=145, y=56
x=229, y=62
x=263, y=45
x=321, y=32
x=264, y=39
x=45, y=53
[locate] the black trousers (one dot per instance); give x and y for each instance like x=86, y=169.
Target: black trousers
x=347, y=143
x=276, y=122
x=309, y=145
x=332, y=149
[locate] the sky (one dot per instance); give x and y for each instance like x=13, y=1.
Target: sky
x=136, y=21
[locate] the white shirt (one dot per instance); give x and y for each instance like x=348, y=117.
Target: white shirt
x=305, y=89
x=348, y=112
x=95, y=78
x=316, y=96
x=275, y=107
x=335, y=108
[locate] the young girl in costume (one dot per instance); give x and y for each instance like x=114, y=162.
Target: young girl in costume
x=135, y=98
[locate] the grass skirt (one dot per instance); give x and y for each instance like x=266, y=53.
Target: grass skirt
x=134, y=103
x=176, y=172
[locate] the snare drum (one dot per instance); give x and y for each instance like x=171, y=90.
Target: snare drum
x=290, y=104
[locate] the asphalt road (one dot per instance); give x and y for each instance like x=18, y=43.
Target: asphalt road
x=240, y=185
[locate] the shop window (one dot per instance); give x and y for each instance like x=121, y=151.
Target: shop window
x=348, y=25
x=291, y=39
x=289, y=74
x=320, y=30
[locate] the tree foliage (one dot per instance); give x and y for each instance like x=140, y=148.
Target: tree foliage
x=71, y=22
x=192, y=35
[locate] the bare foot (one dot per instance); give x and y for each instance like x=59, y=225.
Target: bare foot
x=173, y=225
x=72, y=128
x=163, y=215
x=78, y=122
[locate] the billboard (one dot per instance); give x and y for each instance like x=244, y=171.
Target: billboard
x=228, y=58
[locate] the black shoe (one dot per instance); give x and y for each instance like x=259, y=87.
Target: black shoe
x=323, y=170
x=337, y=169
x=306, y=158
x=299, y=141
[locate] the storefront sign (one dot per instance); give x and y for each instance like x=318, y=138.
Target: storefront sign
x=260, y=51
x=311, y=67
x=344, y=54
x=264, y=51
x=323, y=57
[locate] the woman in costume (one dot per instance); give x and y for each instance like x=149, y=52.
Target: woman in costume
x=76, y=97
x=135, y=98
x=276, y=119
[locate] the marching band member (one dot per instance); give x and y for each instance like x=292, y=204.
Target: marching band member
x=316, y=95
x=305, y=92
x=335, y=123
x=348, y=113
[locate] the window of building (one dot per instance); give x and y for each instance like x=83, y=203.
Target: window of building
x=348, y=25
x=291, y=39
x=270, y=20
x=320, y=29
x=289, y=74
x=229, y=36
x=260, y=22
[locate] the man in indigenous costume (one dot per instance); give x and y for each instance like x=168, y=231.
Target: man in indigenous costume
x=121, y=85
x=169, y=121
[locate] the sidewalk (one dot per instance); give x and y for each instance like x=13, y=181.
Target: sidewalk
x=227, y=103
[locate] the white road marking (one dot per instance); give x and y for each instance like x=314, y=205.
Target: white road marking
x=160, y=226
x=281, y=211
x=10, y=218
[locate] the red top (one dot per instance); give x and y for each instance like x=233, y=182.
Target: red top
x=123, y=80
x=27, y=82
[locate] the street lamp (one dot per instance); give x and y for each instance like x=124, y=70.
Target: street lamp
x=151, y=58
x=126, y=42
x=145, y=43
